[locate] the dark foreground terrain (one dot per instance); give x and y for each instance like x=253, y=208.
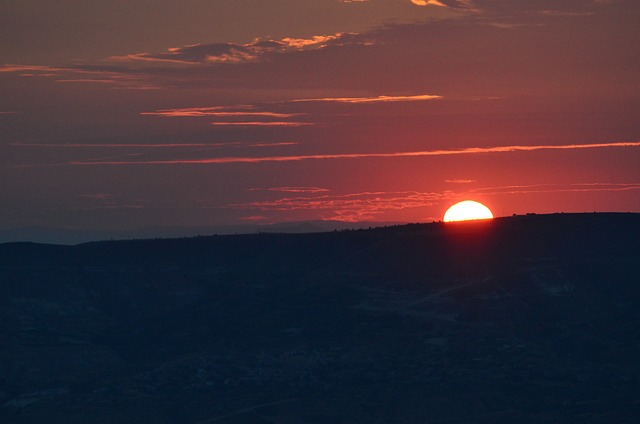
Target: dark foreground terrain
x=531, y=319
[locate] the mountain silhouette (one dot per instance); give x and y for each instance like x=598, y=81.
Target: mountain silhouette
x=525, y=319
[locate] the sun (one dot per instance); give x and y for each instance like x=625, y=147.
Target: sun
x=467, y=211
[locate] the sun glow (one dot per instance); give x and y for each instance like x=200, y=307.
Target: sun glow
x=466, y=211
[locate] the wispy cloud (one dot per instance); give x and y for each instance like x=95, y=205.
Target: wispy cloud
x=377, y=99
x=276, y=144
x=117, y=77
x=236, y=112
x=217, y=112
x=420, y=153
x=459, y=181
x=557, y=188
x=125, y=145
x=292, y=189
x=234, y=115
x=230, y=144
x=349, y=207
x=355, y=207
x=232, y=52
x=264, y=123
x=253, y=218
x=428, y=3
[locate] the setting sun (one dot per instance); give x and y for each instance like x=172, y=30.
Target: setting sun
x=466, y=211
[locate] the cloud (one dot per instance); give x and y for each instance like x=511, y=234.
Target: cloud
x=348, y=207
x=276, y=144
x=252, y=111
x=234, y=112
x=219, y=111
x=199, y=146
x=160, y=70
x=124, y=145
x=557, y=188
x=117, y=77
x=334, y=156
x=428, y=3
x=466, y=5
x=253, y=218
x=354, y=207
x=377, y=99
x=459, y=181
x=292, y=189
x=264, y=124
x=231, y=52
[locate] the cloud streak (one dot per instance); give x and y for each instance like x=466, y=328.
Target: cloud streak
x=232, y=144
x=378, y=99
x=264, y=123
x=557, y=188
x=421, y=153
x=216, y=112
x=292, y=189
x=356, y=207
x=348, y=207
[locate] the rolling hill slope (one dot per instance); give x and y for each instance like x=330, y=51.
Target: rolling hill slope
x=525, y=319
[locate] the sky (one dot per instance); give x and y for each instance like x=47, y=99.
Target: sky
x=126, y=114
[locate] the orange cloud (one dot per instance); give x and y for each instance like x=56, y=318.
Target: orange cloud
x=422, y=153
x=125, y=145
x=558, y=188
x=204, y=112
x=428, y=3
x=300, y=43
x=231, y=52
x=264, y=123
x=355, y=207
x=348, y=207
x=253, y=218
x=292, y=189
x=378, y=99
x=459, y=181
x=277, y=144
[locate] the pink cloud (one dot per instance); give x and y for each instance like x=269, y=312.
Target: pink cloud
x=459, y=181
x=378, y=99
x=558, y=188
x=194, y=112
x=217, y=53
x=277, y=144
x=422, y=153
x=253, y=218
x=355, y=207
x=264, y=123
x=349, y=207
x=292, y=189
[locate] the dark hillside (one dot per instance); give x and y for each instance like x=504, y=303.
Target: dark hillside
x=525, y=319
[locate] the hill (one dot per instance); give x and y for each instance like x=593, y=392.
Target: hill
x=525, y=319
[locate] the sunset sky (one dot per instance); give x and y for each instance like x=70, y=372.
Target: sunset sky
x=126, y=114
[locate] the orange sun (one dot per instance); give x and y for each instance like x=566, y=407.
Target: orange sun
x=467, y=211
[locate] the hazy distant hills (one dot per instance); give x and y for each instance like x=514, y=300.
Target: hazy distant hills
x=528, y=319
x=54, y=235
